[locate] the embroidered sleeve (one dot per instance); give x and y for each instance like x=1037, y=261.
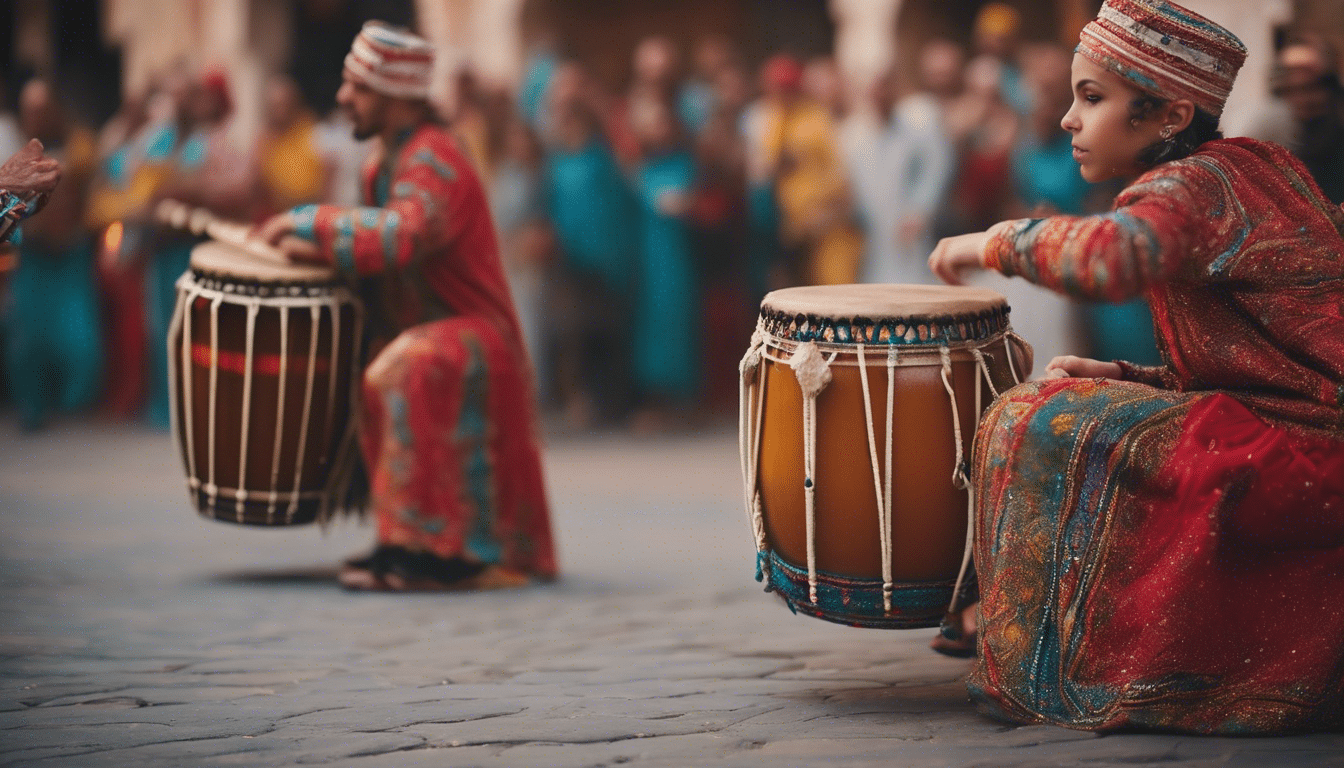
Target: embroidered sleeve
x=1115, y=256
x=12, y=209
x=368, y=240
x=1159, y=376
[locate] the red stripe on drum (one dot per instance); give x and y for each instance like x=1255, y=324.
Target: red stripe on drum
x=262, y=365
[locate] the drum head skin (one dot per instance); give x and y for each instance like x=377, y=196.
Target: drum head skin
x=923, y=315
x=231, y=261
x=878, y=301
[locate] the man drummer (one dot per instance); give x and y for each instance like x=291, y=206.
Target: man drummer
x=447, y=422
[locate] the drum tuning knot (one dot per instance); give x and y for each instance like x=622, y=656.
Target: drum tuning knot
x=811, y=368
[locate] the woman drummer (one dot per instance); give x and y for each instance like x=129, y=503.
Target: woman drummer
x=1164, y=546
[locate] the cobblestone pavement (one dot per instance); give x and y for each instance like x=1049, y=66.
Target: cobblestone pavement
x=135, y=633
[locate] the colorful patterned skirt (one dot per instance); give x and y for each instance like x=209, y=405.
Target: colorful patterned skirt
x=1159, y=560
x=450, y=440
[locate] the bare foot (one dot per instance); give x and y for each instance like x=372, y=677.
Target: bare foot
x=960, y=640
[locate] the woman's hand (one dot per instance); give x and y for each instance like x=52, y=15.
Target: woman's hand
x=1069, y=366
x=954, y=256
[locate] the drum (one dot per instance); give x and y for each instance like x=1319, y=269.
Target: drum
x=263, y=380
x=859, y=405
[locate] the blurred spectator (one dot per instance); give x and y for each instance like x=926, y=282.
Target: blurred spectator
x=211, y=169
x=11, y=138
x=291, y=165
x=983, y=129
x=525, y=238
x=1307, y=79
x=118, y=202
x=718, y=218
x=54, y=352
x=824, y=85
x=656, y=67
x=802, y=161
x=592, y=211
x=996, y=33
x=900, y=174
x=699, y=98
x=1045, y=175
x=666, y=350
x=344, y=155
x=538, y=69
x=938, y=73
x=466, y=115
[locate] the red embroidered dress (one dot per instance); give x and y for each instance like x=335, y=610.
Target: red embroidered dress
x=1168, y=551
x=448, y=427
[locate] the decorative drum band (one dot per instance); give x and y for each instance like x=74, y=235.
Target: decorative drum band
x=905, y=331
x=211, y=282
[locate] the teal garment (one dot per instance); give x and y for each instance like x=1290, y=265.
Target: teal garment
x=763, y=249
x=53, y=350
x=593, y=214
x=191, y=155
x=165, y=268
x=666, y=338
x=1123, y=332
x=540, y=68
x=1047, y=173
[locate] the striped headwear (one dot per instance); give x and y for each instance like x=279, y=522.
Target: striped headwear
x=391, y=60
x=1165, y=50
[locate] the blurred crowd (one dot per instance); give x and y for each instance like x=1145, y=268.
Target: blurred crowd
x=639, y=226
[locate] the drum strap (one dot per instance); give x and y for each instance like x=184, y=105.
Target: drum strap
x=750, y=412
x=813, y=371
x=881, y=490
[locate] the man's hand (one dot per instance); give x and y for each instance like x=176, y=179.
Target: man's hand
x=29, y=172
x=278, y=232
x=1069, y=366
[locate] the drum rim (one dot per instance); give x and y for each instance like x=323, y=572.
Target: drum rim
x=230, y=263
x=933, y=330
x=800, y=324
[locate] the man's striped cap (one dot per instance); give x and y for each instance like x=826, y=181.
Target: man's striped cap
x=391, y=60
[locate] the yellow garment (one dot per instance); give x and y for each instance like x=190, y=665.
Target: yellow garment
x=292, y=169
x=812, y=190
x=108, y=203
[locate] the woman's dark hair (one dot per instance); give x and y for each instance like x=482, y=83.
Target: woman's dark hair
x=1203, y=127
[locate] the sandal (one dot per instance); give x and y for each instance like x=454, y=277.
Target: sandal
x=956, y=636
x=397, y=569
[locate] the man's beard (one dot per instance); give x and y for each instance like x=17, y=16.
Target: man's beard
x=364, y=132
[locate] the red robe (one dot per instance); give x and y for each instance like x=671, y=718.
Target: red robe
x=448, y=426
x=1168, y=551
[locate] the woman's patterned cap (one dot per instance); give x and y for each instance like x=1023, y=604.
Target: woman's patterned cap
x=1165, y=50
x=391, y=60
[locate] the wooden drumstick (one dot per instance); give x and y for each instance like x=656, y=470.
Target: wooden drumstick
x=200, y=221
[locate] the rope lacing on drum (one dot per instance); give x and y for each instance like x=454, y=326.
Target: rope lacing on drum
x=813, y=372
x=881, y=489
x=959, y=474
x=751, y=410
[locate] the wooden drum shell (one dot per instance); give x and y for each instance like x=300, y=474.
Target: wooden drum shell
x=268, y=429
x=928, y=521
